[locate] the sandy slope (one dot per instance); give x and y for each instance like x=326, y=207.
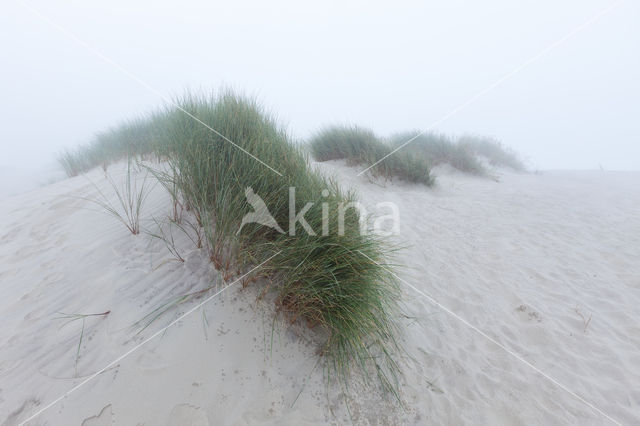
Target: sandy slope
x=523, y=260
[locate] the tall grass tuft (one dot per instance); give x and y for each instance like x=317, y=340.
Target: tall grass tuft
x=329, y=277
x=324, y=281
x=131, y=195
x=361, y=147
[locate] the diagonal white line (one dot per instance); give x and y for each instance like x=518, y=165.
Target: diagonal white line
x=138, y=80
x=494, y=341
x=130, y=351
x=504, y=78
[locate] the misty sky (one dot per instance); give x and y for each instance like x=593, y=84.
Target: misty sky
x=391, y=66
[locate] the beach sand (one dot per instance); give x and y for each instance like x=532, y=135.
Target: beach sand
x=546, y=265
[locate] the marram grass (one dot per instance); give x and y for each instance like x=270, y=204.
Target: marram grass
x=328, y=282
x=492, y=150
x=462, y=153
x=136, y=137
x=439, y=149
x=339, y=285
x=413, y=161
x=362, y=147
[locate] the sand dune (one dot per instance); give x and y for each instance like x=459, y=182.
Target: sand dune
x=545, y=265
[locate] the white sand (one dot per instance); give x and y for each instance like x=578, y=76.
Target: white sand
x=523, y=260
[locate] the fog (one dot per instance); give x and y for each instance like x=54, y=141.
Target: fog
x=391, y=67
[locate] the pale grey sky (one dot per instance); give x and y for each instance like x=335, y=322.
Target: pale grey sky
x=391, y=66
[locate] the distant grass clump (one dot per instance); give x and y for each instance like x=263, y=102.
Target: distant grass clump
x=492, y=150
x=413, y=161
x=463, y=153
x=326, y=274
x=361, y=147
x=439, y=149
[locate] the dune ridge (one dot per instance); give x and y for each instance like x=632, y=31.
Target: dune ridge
x=526, y=260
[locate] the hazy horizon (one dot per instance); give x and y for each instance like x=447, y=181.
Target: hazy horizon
x=388, y=68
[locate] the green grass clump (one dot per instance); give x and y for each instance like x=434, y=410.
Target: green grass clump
x=361, y=147
x=337, y=284
x=335, y=279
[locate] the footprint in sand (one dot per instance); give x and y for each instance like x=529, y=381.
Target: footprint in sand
x=105, y=418
x=528, y=314
x=187, y=415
